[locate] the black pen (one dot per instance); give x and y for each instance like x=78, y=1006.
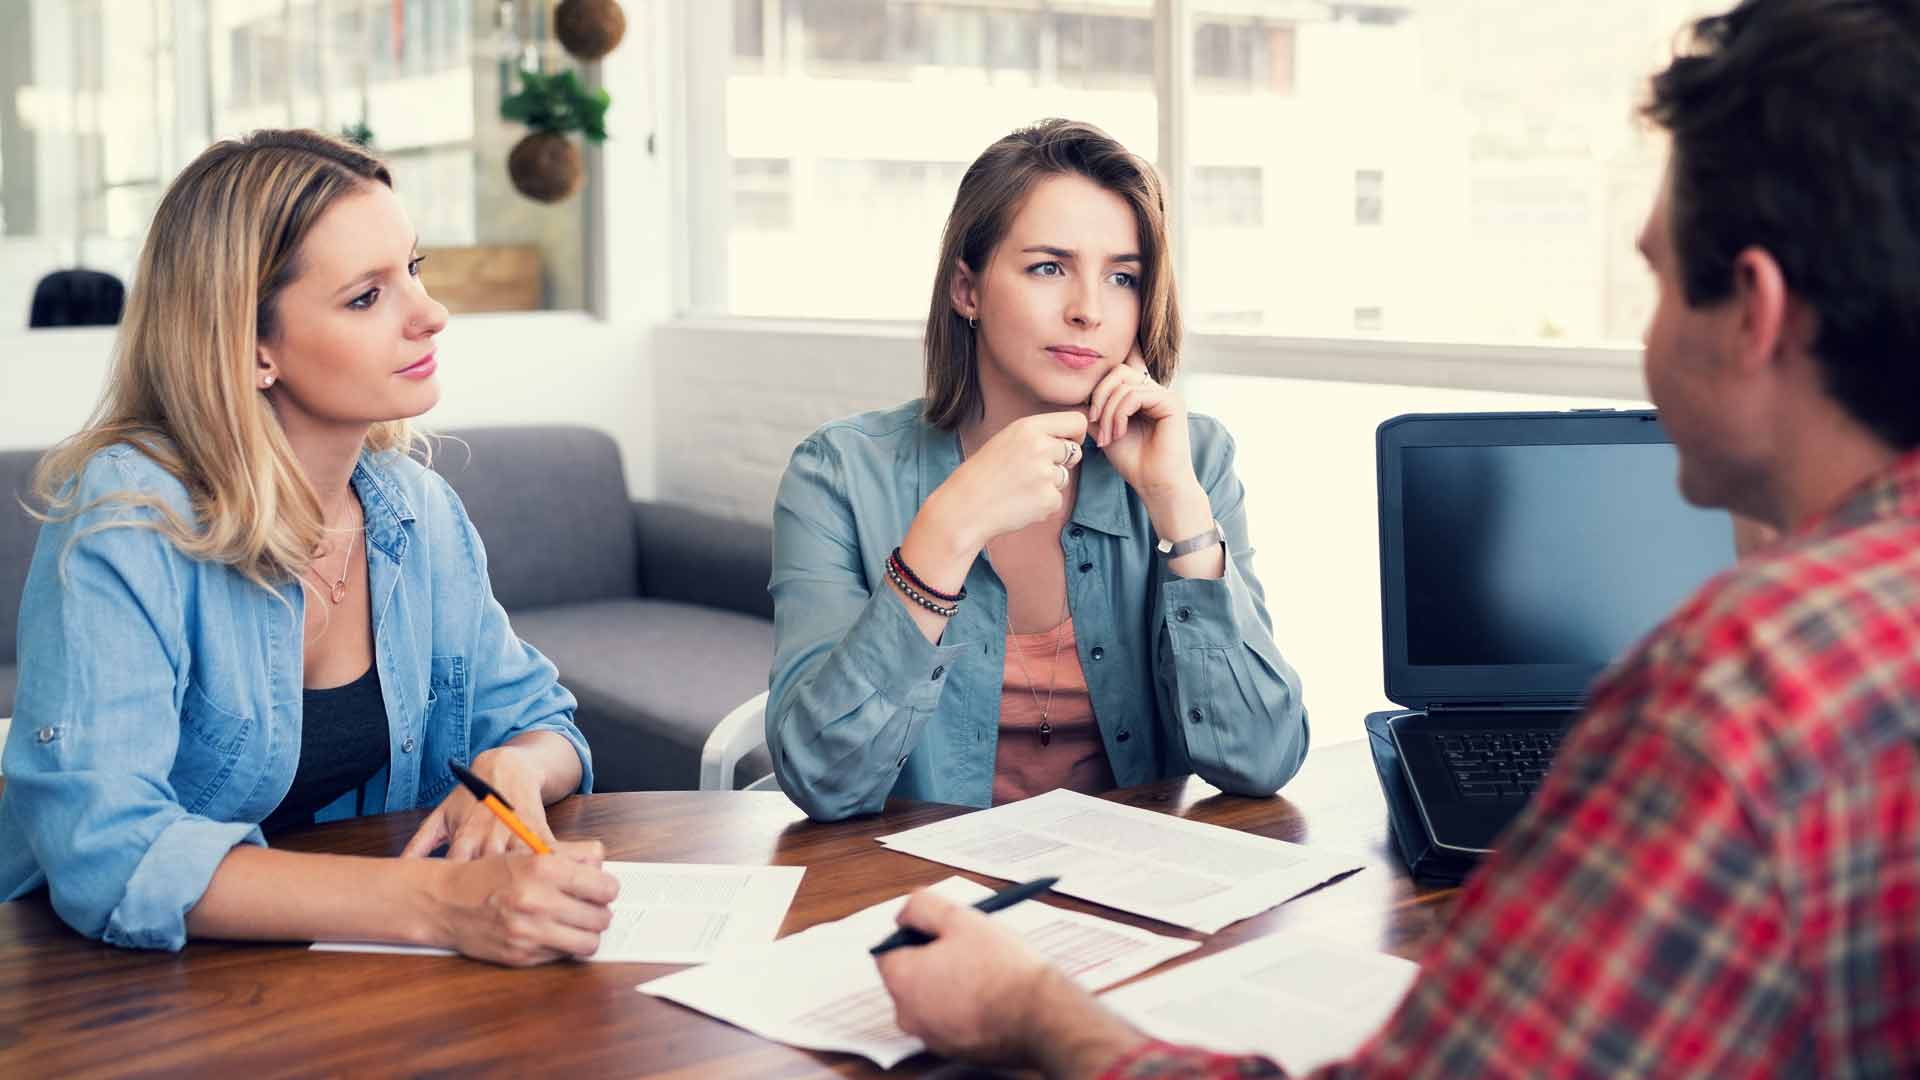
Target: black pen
x=1005, y=898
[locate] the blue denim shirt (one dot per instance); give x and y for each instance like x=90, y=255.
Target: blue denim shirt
x=1183, y=674
x=158, y=714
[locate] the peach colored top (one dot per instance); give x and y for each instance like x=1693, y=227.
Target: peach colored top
x=1068, y=753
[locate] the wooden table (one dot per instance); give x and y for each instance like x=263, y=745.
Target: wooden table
x=73, y=1007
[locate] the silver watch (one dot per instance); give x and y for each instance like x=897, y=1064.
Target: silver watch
x=1170, y=549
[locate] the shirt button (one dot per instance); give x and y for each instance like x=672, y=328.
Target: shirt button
x=1099, y=653
x=1195, y=715
x=407, y=746
x=1121, y=735
x=44, y=735
x=1183, y=614
x=1085, y=566
x=1076, y=532
x=939, y=671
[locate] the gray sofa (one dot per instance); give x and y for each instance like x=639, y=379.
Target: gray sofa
x=656, y=615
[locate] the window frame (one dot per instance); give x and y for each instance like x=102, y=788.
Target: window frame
x=703, y=37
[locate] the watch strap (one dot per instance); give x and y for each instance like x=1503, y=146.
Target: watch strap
x=1176, y=548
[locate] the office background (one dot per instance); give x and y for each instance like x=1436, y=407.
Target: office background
x=1377, y=210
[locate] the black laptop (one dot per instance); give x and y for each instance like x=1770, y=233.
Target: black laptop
x=1520, y=553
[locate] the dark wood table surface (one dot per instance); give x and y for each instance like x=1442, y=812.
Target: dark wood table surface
x=74, y=1007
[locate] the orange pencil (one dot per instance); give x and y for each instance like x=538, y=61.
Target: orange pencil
x=491, y=799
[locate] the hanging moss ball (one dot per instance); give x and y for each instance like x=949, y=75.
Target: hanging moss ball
x=546, y=167
x=589, y=28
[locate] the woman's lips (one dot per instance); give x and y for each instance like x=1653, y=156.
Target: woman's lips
x=1073, y=357
x=422, y=367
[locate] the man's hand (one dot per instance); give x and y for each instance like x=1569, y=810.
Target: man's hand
x=979, y=993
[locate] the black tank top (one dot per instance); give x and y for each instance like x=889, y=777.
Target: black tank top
x=343, y=743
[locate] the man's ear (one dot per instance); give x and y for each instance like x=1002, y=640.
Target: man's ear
x=1770, y=319
x=963, y=290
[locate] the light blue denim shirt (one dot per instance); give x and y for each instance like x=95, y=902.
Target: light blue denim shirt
x=1183, y=674
x=158, y=715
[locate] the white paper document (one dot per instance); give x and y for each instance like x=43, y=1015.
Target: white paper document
x=672, y=913
x=1184, y=872
x=1293, y=997
x=819, y=989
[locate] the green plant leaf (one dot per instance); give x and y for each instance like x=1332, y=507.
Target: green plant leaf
x=559, y=103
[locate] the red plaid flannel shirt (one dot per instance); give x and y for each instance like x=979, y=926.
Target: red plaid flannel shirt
x=1721, y=875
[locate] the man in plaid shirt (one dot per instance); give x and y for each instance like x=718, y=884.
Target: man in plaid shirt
x=1721, y=876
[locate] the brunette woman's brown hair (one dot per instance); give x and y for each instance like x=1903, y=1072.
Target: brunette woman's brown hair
x=990, y=195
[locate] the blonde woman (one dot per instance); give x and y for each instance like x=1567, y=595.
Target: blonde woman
x=1038, y=576
x=251, y=609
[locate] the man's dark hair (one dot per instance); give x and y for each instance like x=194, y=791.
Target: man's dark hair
x=1796, y=129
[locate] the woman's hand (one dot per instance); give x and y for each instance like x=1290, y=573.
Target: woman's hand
x=1142, y=427
x=1019, y=477
x=472, y=831
x=521, y=910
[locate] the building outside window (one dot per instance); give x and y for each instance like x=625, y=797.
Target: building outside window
x=1519, y=171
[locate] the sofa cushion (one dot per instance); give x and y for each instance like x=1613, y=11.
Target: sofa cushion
x=697, y=558
x=653, y=678
x=552, y=509
x=18, y=531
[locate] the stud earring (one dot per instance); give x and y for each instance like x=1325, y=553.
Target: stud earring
x=266, y=382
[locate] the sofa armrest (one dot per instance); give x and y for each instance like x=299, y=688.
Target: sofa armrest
x=699, y=558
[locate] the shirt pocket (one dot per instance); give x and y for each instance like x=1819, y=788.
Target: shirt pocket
x=212, y=742
x=444, y=727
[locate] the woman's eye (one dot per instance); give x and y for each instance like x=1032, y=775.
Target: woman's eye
x=413, y=264
x=364, y=300
x=1045, y=269
x=1124, y=279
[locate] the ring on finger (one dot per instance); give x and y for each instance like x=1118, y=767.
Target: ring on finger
x=1065, y=476
x=1073, y=453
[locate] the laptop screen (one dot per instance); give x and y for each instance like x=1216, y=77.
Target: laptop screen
x=1527, y=551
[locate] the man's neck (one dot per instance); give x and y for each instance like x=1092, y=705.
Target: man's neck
x=1827, y=456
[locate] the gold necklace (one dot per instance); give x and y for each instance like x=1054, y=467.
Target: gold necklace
x=337, y=591
x=1053, y=670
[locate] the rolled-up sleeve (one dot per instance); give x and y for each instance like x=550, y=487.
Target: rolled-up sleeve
x=516, y=688
x=1226, y=694
x=853, y=680
x=97, y=726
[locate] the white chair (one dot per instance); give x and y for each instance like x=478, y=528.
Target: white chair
x=733, y=738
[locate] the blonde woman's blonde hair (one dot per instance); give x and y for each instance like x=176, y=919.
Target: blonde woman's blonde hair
x=224, y=244
x=991, y=193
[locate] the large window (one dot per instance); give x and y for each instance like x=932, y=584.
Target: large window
x=103, y=101
x=875, y=107
x=1456, y=170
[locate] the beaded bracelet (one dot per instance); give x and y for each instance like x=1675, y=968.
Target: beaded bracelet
x=946, y=612
x=894, y=560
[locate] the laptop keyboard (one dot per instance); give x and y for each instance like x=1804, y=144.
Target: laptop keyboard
x=1498, y=764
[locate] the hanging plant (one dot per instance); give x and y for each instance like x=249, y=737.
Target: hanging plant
x=589, y=29
x=545, y=165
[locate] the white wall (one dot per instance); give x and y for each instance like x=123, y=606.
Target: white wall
x=554, y=367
